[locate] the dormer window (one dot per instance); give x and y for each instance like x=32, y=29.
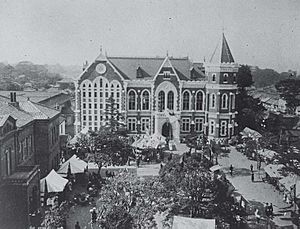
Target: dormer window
x=166, y=75
x=214, y=77
x=225, y=78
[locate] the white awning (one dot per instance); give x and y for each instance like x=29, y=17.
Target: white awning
x=215, y=168
x=75, y=164
x=193, y=223
x=54, y=182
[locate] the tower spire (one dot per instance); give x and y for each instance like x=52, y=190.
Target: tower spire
x=222, y=53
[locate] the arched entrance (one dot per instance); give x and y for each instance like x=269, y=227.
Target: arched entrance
x=167, y=130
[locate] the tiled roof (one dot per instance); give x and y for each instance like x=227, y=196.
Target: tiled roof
x=22, y=117
x=127, y=66
x=3, y=119
x=34, y=96
x=26, y=111
x=222, y=53
x=38, y=111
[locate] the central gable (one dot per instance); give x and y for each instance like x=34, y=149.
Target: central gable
x=107, y=70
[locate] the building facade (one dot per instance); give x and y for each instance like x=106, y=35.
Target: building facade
x=29, y=149
x=170, y=96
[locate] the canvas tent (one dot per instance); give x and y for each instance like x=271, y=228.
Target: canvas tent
x=92, y=167
x=53, y=182
x=193, y=223
x=215, y=168
x=289, y=181
x=267, y=153
x=73, y=165
x=247, y=132
x=149, y=141
x=274, y=171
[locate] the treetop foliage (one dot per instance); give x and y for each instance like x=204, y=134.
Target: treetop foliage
x=24, y=73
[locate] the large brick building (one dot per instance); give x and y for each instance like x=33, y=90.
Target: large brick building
x=29, y=149
x=170, y=96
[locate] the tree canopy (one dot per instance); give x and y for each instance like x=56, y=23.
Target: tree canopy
x=244, y=76
x=16, y=77
x=289, y=90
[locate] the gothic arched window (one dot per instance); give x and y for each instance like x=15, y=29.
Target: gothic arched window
x=213, y=100
x=199, y=101
x=161, y=101
x=186, y=101
x=224, y=101
x=132, y=101
x=145, y=100
x=170, y=103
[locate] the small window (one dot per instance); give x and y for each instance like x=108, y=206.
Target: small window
x=166, y=75
x=234, y=77
x=131, y=124
x=223, y=128
x=199, y=124
x=185, y=125
x=225, y=78
x=213, y=101
x=214, y=77
x=212, y=127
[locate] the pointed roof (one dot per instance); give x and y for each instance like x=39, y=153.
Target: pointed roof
x=53, y=182
x=101, y=57
x=222, y=53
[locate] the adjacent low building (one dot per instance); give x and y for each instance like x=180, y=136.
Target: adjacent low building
x=29, y=149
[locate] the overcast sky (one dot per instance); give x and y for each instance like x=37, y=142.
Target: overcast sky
x=264, y=33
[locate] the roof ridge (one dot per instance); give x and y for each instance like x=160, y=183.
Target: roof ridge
x=147, y=57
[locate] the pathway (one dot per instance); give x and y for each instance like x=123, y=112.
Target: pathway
x=257, y=193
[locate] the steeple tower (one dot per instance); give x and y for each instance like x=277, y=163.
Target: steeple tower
x=221, y=72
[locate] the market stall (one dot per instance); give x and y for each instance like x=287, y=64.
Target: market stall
x=273, y=173
x=74, y=168
x=50, y=185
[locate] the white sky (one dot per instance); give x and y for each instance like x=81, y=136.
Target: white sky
x=264, y=33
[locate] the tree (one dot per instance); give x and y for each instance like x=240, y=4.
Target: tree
x=197, y=193
x=115, y=121
x=250, y=110
x=106, y=147
x=289, y=90
x=244, y=77
x=130, y=202
x=56, y=217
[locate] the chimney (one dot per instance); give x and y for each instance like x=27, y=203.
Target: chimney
x=13, y=99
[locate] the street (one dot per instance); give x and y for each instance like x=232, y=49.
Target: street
x=258, y=193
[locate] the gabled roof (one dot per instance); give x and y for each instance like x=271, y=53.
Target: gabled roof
x=34, y=96
x=3, y=119
x=222, y=53
x=38, y=111
x=26, y=111
x=127, y=66
x=22, y=117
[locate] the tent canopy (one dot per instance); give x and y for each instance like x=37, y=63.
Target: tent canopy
x=215, y=168
x=289, y=181
x=267, y=153
x=251, y=133
x=75, y=164
x=54, y=182
x=92, y=167
x=149, y=141
x=274, y=170
x=193, y=223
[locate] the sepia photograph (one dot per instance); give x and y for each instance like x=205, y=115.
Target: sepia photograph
x=150, y=114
